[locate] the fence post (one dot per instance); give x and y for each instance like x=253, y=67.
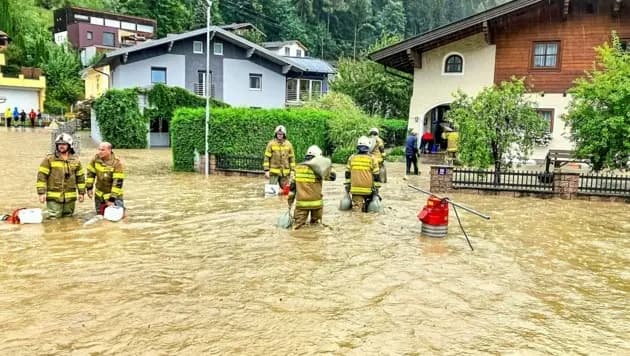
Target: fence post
x=441, y=179
x=213, y=164
x=566, y=184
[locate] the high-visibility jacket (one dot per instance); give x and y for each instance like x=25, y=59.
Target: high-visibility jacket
x=452, y=139
x=362, y=174
x=308, y=187
x=279, y=158
x=60, y=179
x=379, y=150
x=106, y=177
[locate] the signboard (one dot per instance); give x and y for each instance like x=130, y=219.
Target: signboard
x=441, y=171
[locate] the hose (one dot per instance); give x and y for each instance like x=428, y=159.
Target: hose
x=462, y=227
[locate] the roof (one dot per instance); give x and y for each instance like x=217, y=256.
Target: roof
x=278, y=44
x=396, y=55
x=217, y=31
x=313, y=65
x=241, y=25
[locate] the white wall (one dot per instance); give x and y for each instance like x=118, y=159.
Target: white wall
x=23, y=99
x=559, y=104
x=138, y=74
x=432, y=87
x=292, y=50
x=236, y=90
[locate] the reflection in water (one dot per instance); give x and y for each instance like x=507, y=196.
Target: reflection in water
x=198, y=267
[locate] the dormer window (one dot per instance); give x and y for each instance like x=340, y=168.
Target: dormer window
x=454, y=64
x=287, y=51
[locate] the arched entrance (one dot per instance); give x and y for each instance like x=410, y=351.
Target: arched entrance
x=432, y=120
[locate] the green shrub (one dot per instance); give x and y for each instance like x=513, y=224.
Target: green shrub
x=394, y=132
x=344, y=131
x=243, y=131
x=163, y=101
x=397, y=151
x=342, y=154
x=119, y=119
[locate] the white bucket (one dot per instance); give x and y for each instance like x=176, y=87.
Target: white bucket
x=30, y=216
x=271, y=190
x=114, y=213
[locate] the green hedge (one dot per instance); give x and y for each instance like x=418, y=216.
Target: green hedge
x=164, y=100
x=119, y=119
x=394, y=132
x=243, y=131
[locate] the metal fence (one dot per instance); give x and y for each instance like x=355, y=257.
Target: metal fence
x=604, y=184
x=238, y=163
x=522, y=181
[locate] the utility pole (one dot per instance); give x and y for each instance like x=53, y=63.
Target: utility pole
x=207, y=83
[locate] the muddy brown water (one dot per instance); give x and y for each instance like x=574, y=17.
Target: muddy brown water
x=198, y=267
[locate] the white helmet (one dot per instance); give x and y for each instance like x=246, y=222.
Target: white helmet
x=280, y=128
x=314, y=151
x=363, y=141
x=374, y=130
x=64, y=138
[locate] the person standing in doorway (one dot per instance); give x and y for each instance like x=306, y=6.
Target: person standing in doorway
x=59, y=177
x=426, y=142
x=411, y=153
x=279, y=162
x=8, y=117
x=452, y=142
x=105, y=176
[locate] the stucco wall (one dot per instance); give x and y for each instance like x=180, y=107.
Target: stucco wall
x=559, y=104
x=138, y=74
x=236, y=85
x=432, y=87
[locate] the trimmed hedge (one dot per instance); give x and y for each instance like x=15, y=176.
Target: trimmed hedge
x=164, y=100
x=243, y=131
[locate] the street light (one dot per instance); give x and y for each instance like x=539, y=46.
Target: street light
x=207, y=84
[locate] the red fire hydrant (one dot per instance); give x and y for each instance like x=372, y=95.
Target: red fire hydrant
x=434, y=217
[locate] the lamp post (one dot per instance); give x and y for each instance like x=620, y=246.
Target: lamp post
x=207, y=83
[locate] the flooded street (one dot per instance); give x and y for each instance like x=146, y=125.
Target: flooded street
x=198, y=267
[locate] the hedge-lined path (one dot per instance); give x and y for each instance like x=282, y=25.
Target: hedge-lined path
x=198, y=267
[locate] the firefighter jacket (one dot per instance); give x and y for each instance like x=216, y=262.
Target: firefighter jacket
x=362, y=173
x=306, y=188
x=379, y=150
x=452, y=139
x=60, y=179
x=109, y=177
x=279, y=158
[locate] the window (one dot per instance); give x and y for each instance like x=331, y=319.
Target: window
x=298, y=53
x=546, y=55
x=145, y=28
x=218, y=49
x=454, y=64
x=108, y=39
x=158, y=75
x=547, y=114
x=80, y=17
x=316, y=89
x=198, y=47
x=97, y=21
x=255, y=81
x=89, y=35
x=625, y=44
x=128, y=26
x=287, y=51
x=112, y=23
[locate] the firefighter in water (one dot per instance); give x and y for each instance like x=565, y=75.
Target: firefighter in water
x=61, y=179
x=105, y=176
x=362, y=175
x=306, y=187
x=279, y=163
x=377, y=149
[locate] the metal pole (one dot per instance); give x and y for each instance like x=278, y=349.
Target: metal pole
x=451, y=202
x=207, y=83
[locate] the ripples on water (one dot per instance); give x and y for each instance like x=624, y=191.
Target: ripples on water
x=198, y=267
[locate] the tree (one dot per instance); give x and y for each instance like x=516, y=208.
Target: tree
x=498, y=125
x=64, y=86
x=599, y=113
x=391, y=19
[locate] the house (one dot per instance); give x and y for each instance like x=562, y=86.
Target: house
x=242, y=73
x=92, y=31
x=550, y=42
x=286, y=48
x=25, y=90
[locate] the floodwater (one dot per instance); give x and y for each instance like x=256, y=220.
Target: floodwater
x=198, y=267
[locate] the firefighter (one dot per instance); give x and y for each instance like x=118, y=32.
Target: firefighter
x=378, y=151
x=362, y=175
x=306, y=187
x=59, y=177
x=279, y=163
x=105, y=176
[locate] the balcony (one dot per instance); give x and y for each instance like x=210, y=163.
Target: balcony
x=200, y=89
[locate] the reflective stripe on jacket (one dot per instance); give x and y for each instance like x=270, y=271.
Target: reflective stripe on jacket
x=60, y=179
x=279, y=157
x=308, y=187
x=362, y=168
x=379, y=150
x=106, y=177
